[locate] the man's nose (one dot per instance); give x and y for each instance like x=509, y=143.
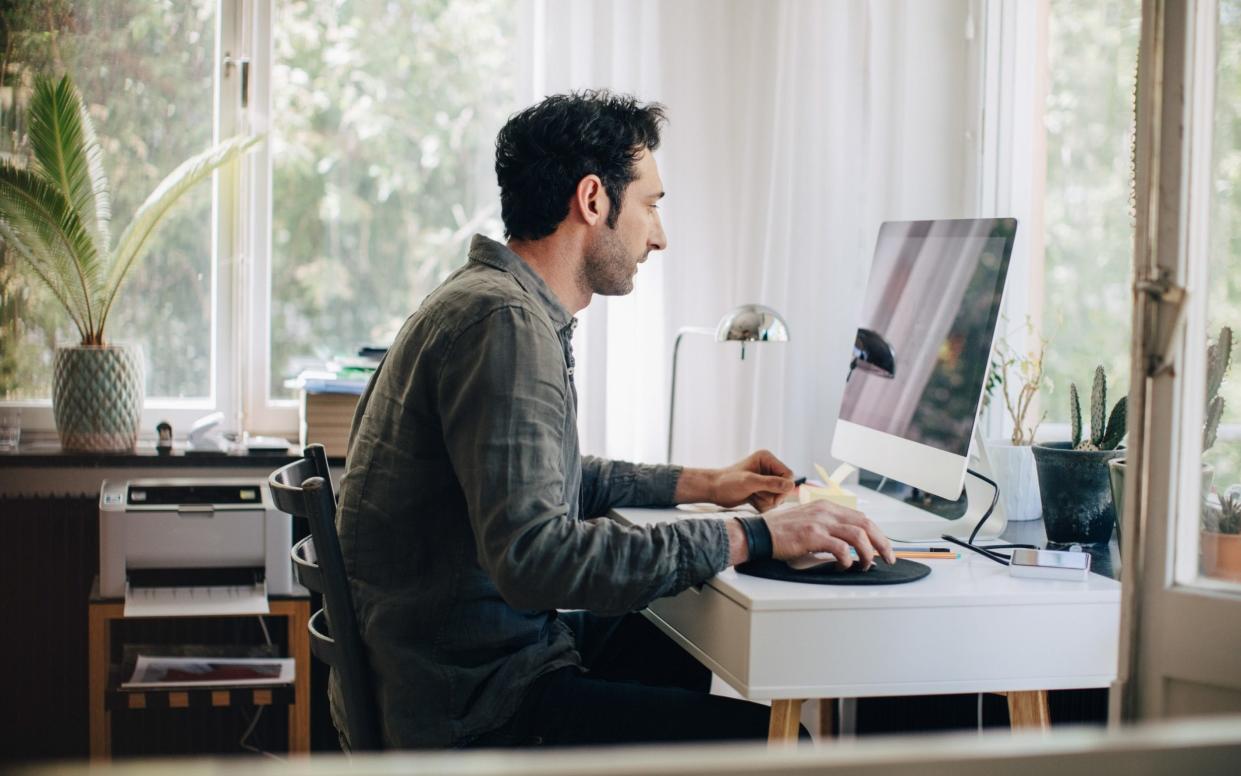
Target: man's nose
x=659, y=240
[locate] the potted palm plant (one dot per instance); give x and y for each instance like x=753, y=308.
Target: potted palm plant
x=1017, y=377
x=56, y=215
x=1073, y=476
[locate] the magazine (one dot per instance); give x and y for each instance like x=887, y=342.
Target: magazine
x=164, y=672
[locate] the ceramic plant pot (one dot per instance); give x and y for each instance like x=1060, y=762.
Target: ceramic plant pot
x=97, y=395
x=1014, y=471
x=1116, y=478
x=1116, y=475
x=1076, y=492
x=1221, y=555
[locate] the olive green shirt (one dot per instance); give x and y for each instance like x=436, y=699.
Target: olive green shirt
x=468, y=515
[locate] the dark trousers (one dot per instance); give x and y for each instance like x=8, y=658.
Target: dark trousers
x=638, y=687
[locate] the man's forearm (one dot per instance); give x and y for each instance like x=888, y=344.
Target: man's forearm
x=700, y=485
x=695, y=485
x=738, y=547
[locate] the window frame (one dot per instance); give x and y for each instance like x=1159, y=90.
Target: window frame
x=258, y=411
x=38, y=421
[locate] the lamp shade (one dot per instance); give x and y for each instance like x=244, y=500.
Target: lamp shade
x=752, y=323
x=747, y=323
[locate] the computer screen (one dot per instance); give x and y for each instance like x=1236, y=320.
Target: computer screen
x=932, y=302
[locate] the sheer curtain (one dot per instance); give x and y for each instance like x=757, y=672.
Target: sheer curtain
x=796, y=128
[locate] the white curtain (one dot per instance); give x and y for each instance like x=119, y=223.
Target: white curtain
x=796, y=128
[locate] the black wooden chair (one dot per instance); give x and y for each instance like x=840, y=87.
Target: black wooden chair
x=304, y=489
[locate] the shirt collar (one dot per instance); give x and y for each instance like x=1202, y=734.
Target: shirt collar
x=485, y=250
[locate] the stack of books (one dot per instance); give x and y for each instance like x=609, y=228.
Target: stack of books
x=328, y=398
x=326, y=418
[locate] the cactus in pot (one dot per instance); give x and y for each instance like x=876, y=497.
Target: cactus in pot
x=1103, y=435
x=1073, y=476
x=1219, y=357
x=1221, y=536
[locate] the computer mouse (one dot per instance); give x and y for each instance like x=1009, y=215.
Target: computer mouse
x=822, y=563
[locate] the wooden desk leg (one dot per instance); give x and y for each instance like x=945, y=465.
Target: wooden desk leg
x=298, y=614
x=99, y=617
x=827, y=718
x=785, y=720
x=1028, y=709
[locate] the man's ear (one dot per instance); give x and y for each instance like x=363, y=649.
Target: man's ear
x=591, y=199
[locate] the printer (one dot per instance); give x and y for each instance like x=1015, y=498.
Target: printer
x=175, y=536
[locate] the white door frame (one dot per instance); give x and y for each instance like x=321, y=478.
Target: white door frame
x=1179, y=636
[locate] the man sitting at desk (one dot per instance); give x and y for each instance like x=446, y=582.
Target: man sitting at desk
x=468, y=515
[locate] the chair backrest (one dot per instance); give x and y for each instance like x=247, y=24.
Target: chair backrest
x=304, y=489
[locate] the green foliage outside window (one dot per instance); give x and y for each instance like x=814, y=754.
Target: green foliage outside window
x=1224, y=273
x=1092, y=59
x=1092, y=62
x=144, y=68
x=383, y=122
x=382, y=125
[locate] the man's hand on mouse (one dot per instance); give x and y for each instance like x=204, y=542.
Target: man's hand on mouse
x=762, y=480
x=820, y=526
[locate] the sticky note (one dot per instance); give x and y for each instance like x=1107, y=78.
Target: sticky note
x=831, y=490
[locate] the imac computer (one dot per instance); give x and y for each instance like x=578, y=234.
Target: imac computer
x=919, y=369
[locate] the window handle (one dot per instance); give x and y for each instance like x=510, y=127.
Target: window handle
x=243, y=65
x=1167, y=305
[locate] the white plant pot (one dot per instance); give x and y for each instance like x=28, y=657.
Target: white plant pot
x=1015, y=473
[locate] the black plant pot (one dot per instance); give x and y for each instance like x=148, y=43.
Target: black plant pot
x=1076, y=491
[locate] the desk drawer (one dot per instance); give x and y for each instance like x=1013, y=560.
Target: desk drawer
x=711, y=627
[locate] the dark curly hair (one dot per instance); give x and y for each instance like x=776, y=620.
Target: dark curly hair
x=545, y=150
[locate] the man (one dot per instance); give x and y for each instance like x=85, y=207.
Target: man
x=468, y=515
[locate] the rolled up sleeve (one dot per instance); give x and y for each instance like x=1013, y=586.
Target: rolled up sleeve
x=503, y=395
x=607, y=484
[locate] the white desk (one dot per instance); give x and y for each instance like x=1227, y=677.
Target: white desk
x=968, y=627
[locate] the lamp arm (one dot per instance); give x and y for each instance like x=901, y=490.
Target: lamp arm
x=672, y=400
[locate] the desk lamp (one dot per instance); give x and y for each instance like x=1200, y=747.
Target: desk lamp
x=747, y=323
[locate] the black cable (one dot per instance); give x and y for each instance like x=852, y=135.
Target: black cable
x=998, y=557
x=986, y=552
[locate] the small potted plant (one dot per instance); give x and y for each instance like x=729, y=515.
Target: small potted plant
x=1017, y=377
x=1219, y=357
x=1221, y=536
x=1073, y=475
x=56, y=215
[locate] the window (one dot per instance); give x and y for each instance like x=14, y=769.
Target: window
x=1088, y=210
x=1089, y=240
x=380, y=119
x=381, y=147
x=1223, y=302
x=145, y=69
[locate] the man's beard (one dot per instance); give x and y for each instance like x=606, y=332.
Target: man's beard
x=607, y=270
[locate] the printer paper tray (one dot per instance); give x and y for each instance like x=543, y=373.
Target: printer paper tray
x=195, y=601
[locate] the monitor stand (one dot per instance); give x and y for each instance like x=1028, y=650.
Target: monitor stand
x=906, y=522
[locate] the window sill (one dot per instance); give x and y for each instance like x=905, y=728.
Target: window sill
x=42, y=469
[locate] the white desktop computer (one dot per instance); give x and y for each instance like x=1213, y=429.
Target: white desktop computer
x=918, y=373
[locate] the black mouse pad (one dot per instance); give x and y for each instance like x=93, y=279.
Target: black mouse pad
x=831, y=574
